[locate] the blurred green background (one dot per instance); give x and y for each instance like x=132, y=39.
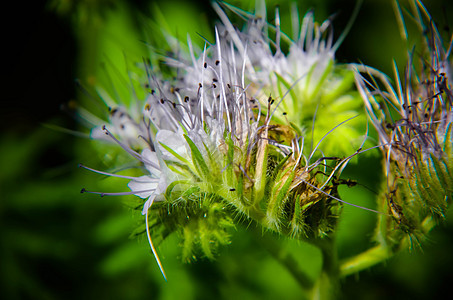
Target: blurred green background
x=58, y=244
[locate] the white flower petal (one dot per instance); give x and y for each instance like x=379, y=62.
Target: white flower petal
x=151, y=156
x=172, y=140
x=148, y=204
x=143, y=186
x=97, y=133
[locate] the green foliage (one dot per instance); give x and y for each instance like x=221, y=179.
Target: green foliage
x=201, y=220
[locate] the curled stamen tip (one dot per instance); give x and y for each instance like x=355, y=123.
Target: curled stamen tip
x=104, y=127
x=107, y=132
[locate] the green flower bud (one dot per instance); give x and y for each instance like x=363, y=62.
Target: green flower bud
x=414, y=124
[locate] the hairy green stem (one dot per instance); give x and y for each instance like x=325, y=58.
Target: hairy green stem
x=287, y=260
x=379, y=253
x=327, y=285
x=364, y=260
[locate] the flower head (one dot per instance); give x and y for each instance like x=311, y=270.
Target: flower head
x=414, y=123
x=216, y=149
x=310, y=88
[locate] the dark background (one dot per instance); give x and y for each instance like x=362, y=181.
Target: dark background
x=54, y=242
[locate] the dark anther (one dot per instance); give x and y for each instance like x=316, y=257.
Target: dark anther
x=284, y=113
x=232, y=190
x=200, y=85
x=217, y=62
x=82, y=191
x=162, y=101
x=205, y=65
x=228, y=85
x=213, y=85
x=153, y=92
x=186, y=99
x=214, y=80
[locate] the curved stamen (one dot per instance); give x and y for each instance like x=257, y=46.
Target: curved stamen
x=150, y=240
x=102, y=194
x=109, y=174
x=130, y=151
x=330, y=131
x=342, y=201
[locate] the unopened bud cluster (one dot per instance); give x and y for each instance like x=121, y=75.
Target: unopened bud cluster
x=413, y=120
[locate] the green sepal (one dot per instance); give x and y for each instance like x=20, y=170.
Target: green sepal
x=182, y=169
x=179, y=157
x=229, y=169
x=275, y=208
x=184, y=194
x=270, y=179
x=188, y=237
x=298, y=226
x=427, y=183
x=197, y=158
x=240, y=188
x=283, y=192
x=321, y=81
x=448, y=150
x=292, y=93
x=441, y=172
x=260, y=174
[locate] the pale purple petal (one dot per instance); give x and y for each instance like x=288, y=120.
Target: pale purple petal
x=145, y=186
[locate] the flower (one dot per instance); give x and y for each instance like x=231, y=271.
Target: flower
x=311, y=89
x=214, y=149
x=414, y=123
